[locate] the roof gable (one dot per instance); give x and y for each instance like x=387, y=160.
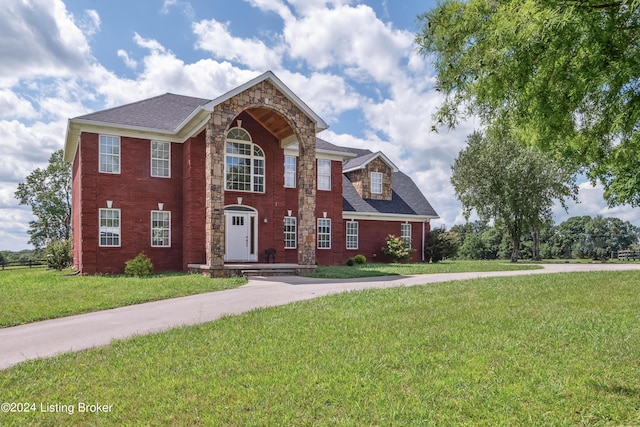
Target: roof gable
x=362, y=161
x=269, y=75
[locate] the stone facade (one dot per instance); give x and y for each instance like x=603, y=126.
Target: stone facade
x=262, y=95
x=361, y=180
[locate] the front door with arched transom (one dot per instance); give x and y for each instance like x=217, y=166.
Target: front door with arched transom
x=241, y=241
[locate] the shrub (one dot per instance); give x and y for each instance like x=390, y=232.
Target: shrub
x=397, y=248
x=58, y=254
x=139, y=266
x=350, y=262
x=360, y=259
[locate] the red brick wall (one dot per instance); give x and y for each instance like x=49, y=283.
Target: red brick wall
x=136, y=194
x=194, y=201
x=372, y=236
x=76, y=194
x=331, y=203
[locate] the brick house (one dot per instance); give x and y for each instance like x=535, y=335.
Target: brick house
x=208, y=183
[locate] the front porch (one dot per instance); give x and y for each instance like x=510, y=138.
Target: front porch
x=252, y=269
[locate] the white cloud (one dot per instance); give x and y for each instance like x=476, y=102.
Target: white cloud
x=129, y=62
x=39, y=38
x=214, y=37
x=90, y=24
x=349, y=37
x=13, y=106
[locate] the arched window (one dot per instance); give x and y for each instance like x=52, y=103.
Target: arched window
x=244, y=162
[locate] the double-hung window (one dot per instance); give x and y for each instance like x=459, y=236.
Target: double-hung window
x=244, y=163
x=290, y=171
x=352, y=235
x=324, y=174
x=109, y=154
x=376, y=183
x=161, y=229
x=324, y=233
x=405, y=233
x=109, y=229
x=161, y=159
x=290, y=232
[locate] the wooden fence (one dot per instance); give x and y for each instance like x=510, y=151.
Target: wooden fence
x=32, y=263
x=628, y=254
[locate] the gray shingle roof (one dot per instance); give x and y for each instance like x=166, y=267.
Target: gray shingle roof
x=164, y=112
x=406, y=199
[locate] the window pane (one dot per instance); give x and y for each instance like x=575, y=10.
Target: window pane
x=290, y=171
x=290, y=232
x=324, y=233
x=352, y=235
x=109, y=228
x=109, y=154
x=324, y=174
x=161, y=228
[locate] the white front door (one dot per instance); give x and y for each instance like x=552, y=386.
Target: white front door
x=240, y=242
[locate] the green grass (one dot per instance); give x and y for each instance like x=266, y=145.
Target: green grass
x=374, y=269
x=28, y=295
x=531, y=350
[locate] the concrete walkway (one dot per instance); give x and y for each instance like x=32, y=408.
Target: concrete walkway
x=73, y=333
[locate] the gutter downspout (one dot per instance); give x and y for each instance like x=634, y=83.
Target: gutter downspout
x=423, y=240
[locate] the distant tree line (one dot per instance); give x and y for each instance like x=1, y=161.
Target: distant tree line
x=596, y=238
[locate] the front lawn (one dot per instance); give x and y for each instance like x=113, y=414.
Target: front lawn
x=375, y=269
x=28, y=295
x=557, y=349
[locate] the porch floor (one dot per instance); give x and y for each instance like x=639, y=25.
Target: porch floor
x=252, y=269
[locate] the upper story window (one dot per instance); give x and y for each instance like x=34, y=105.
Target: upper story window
x=290, y=171
x=161, y=159
x=244, y=163
x=324, y=174
x=109, y=154
x=376, y=182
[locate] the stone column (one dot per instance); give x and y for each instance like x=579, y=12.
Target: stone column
x=215, y=196
x=307, y=194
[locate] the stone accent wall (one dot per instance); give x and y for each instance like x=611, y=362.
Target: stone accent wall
x=361, y=180
x=264, y=95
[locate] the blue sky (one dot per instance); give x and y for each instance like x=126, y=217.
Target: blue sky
x=353, y=62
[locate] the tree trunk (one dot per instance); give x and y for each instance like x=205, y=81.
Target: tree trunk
x=535, y=235
x=515, y=250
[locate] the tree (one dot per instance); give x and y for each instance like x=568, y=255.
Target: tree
x=48, y=192
x=441, y=244
x=564, y=73
x=514, y=185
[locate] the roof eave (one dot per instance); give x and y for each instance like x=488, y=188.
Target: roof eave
x=380, y=216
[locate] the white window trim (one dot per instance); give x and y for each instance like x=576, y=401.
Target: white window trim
x=318, y=233
x=295, y=232
x=357, y=235
x=167, y=160
x=169, y=229
x=324, y=161
x=119, y=156
x=295, y=170
x=251, y=158
x=377, y=182
x=404, y=237
x=100, y=228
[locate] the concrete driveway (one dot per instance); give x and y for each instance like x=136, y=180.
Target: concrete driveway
x=73, y=333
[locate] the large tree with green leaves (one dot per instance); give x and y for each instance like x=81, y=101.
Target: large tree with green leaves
x=48, y=192
x=564, y=73
x=514, y=185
